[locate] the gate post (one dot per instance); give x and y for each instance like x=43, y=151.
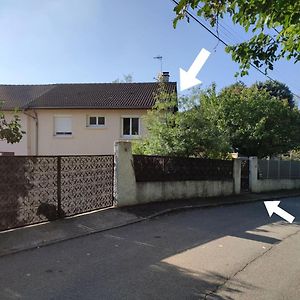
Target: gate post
x=237, y=175
x=124, y=181
x=253, y=171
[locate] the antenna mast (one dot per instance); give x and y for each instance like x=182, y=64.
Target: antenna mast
x=160, y=58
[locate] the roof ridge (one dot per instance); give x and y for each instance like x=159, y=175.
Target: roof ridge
x=13, y=84
x=112, y=83
x=83, y=83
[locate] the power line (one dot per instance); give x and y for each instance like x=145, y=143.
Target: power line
x=225, y=32
x=204, y=26
x=226, y=44
x=218, y=38
x=231, y=30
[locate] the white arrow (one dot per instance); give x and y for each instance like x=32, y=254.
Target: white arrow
x=272, y=207
x=188, y=78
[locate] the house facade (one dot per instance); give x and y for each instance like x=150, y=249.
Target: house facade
x=77, y=119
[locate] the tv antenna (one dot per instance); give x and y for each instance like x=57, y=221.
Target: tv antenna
x=160, y=58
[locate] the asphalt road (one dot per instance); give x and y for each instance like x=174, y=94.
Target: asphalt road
x=229, y=252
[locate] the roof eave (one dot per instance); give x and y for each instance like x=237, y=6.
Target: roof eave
x=86, y=107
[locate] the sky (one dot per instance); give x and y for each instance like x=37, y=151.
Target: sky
x=75, y=41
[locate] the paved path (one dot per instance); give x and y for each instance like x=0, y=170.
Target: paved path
x=229, y=252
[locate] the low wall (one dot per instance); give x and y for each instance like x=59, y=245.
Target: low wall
x=267, y=185
x=130, y=192
x=171, y=190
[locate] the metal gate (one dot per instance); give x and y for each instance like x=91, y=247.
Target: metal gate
x=244, y=176
x=40, y=188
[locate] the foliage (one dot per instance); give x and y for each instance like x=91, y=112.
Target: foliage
x=256, y=123
x=210, y=124
x=10, y=130
x=291, y=155
x=162, y=123
x=126, y=79
x=184, y=132
x=278, y=90
x=275, y=26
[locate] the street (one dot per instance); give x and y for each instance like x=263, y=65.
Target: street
x=225, y=252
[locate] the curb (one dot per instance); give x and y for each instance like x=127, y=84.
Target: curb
x=141, y=219
x=205, y=205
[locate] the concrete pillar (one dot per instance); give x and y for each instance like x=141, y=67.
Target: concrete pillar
x=124, y=183
x=253, y=171
x=237, y=176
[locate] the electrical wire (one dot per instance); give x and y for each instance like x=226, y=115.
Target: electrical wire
x=226, y=44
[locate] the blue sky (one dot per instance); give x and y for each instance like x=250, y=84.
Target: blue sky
x=61, y=41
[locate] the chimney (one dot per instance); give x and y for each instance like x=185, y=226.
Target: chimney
x=165, y=76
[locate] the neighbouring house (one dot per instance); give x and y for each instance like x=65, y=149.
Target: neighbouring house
x=66, y=119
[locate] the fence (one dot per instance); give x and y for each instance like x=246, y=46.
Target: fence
x=162, y=168
x=278, y=169
x=41, y=188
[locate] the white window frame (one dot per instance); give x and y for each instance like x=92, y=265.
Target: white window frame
x=88, y=125
x=54, y=126
x=130, y=136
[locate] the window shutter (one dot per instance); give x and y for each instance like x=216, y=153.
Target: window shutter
x=63, y=125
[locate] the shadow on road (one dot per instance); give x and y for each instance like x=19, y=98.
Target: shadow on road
x=183, y=255
x=202, y=283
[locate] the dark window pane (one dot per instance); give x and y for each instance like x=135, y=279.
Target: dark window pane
x=135, y=126
x=101, y=121
x=126, y=126
x=93, y=121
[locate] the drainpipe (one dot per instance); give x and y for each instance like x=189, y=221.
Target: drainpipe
x=35, y=118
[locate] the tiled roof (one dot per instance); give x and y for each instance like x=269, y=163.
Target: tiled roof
x=83, y=95
x=18, y=96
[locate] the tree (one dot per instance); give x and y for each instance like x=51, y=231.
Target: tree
x=126, y=79
x=278, y=90
x=163, y=126
x=10, y=131
x=256, y=123
x=275, y=26
x=184, y=132
x=242, y=119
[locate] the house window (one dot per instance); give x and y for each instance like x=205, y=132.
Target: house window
x=63, y=125
x=96, y=121
x=130, y=126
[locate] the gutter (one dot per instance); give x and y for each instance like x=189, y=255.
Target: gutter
x=35, y=118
